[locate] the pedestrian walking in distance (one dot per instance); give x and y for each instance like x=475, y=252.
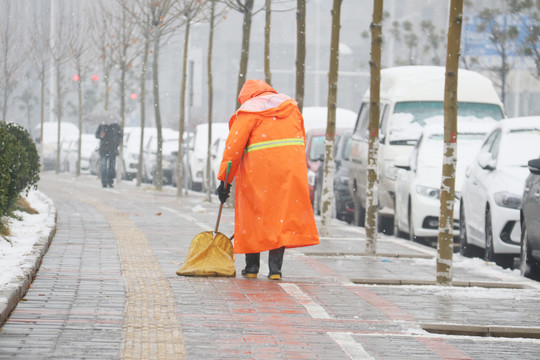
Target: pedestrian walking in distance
x=110, y=136
x=266, y=145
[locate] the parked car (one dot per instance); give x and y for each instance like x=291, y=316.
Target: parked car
x=89, y=144
x=218, y=146
x=530, y=222
x=493, y=188
x=47, y=149
x=67, y=146
x=131, y=146
x=315, y=148
x=418, y=181
x=95, y=162
x=188, y=138
x=343, y=205
x=169, y=151
x=411, y=96
x=198, y=152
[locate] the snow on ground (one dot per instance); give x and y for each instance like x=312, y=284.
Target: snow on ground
x=25, y=230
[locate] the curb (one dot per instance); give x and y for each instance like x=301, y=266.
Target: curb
x=30, y=266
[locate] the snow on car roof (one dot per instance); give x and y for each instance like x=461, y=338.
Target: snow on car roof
x=406, y=83
x=317, y=117
x=68, y=131
x=466, y=124
x=526, y=122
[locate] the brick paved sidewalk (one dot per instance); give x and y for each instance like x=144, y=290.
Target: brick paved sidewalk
x=107, y=289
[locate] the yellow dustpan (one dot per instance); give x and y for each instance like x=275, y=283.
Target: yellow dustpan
x=211, y=253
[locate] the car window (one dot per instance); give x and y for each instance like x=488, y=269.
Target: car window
x=494, y=148
x=489, y=141
x=431, y=148
x=317, y=148
x=383, y=123
x=409, y=117
x=518, y=147
x=361, y=128
x=414, y=155
x=347, y=148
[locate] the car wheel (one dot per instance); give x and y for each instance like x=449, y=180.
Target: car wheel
x=464, y=247
x=385, y=225
x=489, y=254
x=528, y=267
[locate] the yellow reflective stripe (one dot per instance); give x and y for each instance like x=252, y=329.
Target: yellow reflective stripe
x=274, y=143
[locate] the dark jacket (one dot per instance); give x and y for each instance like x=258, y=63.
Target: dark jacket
x=110, y=136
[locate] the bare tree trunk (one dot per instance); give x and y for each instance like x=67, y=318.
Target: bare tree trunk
x=120, y=163
x=300, y=52
x=244, y=57
x=42, y=109
x=157, y=110
x=80, y=111
x=446, y=223
x=183, y=101
x=328, y=174
x=58, y=115
x=372, y=192
x=123, y=68
x=5, y=101
x=267, y=28
x=504, y=74
x=209, y=176
x=143, y=105
x=107, y=88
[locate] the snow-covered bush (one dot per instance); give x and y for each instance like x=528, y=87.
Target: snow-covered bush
x=19, y=165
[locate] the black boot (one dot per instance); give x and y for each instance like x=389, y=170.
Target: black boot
x=252, y=265
x=275, y=260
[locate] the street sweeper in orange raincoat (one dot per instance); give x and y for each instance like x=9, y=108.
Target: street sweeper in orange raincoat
x=266, y=145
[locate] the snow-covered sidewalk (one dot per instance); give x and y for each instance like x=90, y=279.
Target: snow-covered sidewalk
x=20, y=259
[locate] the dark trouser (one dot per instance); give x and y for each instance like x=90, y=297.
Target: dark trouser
x=275, y=260
x=108, y=164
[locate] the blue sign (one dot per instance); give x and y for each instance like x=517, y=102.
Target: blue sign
x=476, y=43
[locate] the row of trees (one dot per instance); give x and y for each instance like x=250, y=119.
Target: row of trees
x=122, y=40
x=125, y=37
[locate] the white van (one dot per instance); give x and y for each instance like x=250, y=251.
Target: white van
x=410, y=97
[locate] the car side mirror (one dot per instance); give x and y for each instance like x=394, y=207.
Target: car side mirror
x=486, y=161
x=534, y=166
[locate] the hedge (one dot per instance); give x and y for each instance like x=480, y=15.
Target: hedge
x=19, y=165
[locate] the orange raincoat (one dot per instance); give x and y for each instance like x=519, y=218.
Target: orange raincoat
x=266, y=145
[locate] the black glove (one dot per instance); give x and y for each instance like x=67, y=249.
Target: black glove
x=223, y=192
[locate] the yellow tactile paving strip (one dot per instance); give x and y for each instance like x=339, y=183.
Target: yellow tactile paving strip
x=152, y=329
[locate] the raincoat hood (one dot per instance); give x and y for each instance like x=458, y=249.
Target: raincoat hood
x=254, y=88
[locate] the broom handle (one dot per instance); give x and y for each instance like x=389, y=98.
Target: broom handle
x=226, y=184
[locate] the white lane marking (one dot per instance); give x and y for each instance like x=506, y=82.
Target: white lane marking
x=314, y=310
x=191, y=219
x=352, y=348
